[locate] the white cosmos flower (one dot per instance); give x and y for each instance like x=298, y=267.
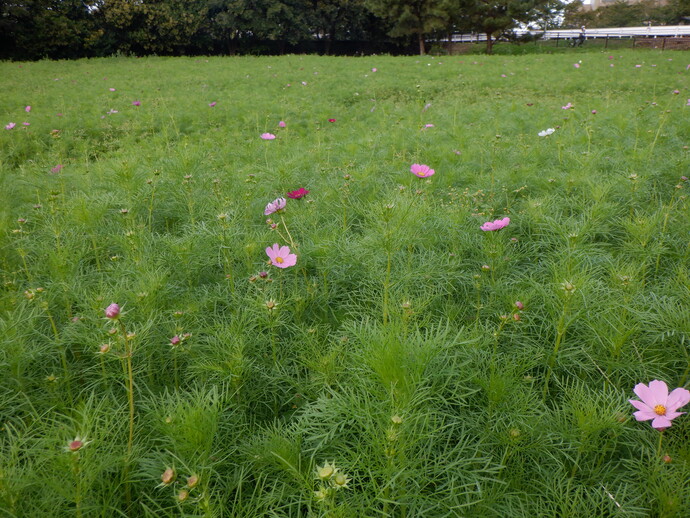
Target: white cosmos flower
x=546, y=132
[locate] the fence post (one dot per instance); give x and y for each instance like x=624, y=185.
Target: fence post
x=633, y=45
x=557, y=36
x=663, y=44
x=606, y=43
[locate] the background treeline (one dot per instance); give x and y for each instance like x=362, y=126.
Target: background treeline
x=621, y=14
x=35, y=29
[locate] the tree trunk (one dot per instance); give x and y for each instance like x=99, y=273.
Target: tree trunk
x=422, y=50
x=489, y=43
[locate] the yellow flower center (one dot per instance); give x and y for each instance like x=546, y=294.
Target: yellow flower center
x=279, y=260
x=660, y=410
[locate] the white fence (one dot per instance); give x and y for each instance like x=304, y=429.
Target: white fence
x=665, y=31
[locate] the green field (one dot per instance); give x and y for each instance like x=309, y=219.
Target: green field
x=443, y=370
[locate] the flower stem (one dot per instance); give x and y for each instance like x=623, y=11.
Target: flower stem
x=292, y=243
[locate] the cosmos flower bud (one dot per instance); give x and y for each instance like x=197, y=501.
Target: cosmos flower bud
x=112, y=312
x=168, y=476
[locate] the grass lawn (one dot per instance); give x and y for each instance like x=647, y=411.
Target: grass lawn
x=409, y=364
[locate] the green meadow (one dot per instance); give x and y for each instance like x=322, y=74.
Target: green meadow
x=409, y=364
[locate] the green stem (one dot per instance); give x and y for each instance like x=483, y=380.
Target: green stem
x=386, y=286
x=130, y=397
x=292, y=243
x=561, y=329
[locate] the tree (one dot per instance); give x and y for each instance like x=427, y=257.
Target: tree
x=412, y=17
x=497, y=17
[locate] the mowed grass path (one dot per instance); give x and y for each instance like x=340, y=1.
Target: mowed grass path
x=443, y=371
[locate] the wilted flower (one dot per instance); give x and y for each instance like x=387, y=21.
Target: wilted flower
x=268, y=136
x=275, y=206
x=182, y=495
x=421, y=170
x=280, y=256
x=498, y=224
x=104, y=348
x=168, y=476
x=519, y=305
x=77, y=444
x=112, y=312
x=658, y=404
x=192, y=481
x=327, y=471
x=339, y=481
x=299, y=193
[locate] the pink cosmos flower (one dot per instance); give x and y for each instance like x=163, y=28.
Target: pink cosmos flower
x=428, y=126
x=280, y=256
x=503, y=75
x=576, y=65
x=373, y=69
x=212, y=104
x=421, y=170
x=498, y=224
x=268, y=136
x=57, y=169
x=676, y=92
x=175, y=340
x=136, y=103
x=658, y=404
x=26, y=123
x=594, y=112
x=638, y=66
x=112, y=312
x=27, y=109
x=331, y=120
x=111, y=89
x=299, y=193
x=282, y=124
x=567, y=106
x=10, y=126
x=275, y=206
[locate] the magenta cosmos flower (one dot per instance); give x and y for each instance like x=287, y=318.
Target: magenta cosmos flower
x=136, y=103
x=299, y=193
x=658, y=404
x=282, y=124
x=275, y=206
x=280, y=256
x=498, y=224
x=268, y=136
x=112, y=311
x=212, y=104
x=421, y=170
x=57, y=169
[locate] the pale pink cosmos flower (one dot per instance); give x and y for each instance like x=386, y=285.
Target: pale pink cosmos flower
x=567, y=106
x=373, y=69
x=421, y=170
x=638, y=66
x=428, y=126
x=576, y=65
x=10, y=126
x=657, y=404
x=27, y=109
x=113, y=311
x=57, y=169
x=111, y=89
x=26, y=123
x=676, y=92
x=280, y=256
x=594, y=112
x=275, y=206
x=282, y=124
x=498, y=224
x=212, y=104
x=268, y=136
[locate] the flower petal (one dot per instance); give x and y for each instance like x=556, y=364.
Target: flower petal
x=661, y=422
x=677, y=398
x=644, y=394
x=659, y=391
x=643, y=415
x=640, y=405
